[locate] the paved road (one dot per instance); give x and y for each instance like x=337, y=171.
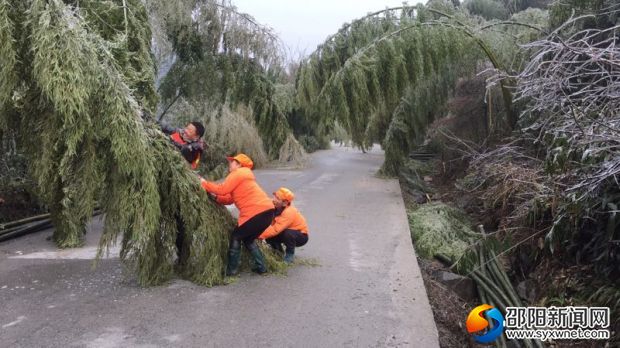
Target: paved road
x=367, y=291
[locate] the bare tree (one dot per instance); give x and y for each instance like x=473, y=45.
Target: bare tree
x=572, y=89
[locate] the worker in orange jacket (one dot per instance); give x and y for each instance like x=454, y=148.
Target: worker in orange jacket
x=188, y=140
x=256, y=210
x=289, y=226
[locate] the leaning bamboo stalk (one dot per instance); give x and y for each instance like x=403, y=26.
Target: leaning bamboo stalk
x=493, y=285
x=511, y=299
x=483, y=298
x=486, y=285
x=503, y=280
x=492, y=294
x=493, y=269
x=495, y=290
x=484, y=270
x=505, y=87
x=478, y=278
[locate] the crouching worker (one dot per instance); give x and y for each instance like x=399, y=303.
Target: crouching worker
x=188, y=140
x=289, y=226
x=256, y=211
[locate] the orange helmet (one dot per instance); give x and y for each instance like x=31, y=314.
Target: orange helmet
x=284, y=194
x=243, y=159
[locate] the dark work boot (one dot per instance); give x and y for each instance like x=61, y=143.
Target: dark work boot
x=234, y=254
x=260, y=265
x=289, y=256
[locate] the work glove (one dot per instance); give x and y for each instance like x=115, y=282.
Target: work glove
x=195, y=146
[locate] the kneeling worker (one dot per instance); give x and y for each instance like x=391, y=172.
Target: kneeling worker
x=288, y=228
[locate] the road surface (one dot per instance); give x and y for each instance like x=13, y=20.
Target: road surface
x=366, y=292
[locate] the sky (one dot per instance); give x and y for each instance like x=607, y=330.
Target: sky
x=303, y=25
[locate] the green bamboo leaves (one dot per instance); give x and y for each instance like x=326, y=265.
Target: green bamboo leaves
x=390, y=86
x=364, y=75
x=8, y=78
x=228, y=60
x=63, y=74
x=83, y=86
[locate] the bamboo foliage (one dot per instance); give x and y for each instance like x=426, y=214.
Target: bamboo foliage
x=206, y=224
x=371, y=93
x=90, y=146
x=374, y=88
x=227, y=58
x=59, y=56
x=562, y=11
x=235, y=130
x=202, y=29
x=8, y=79
x=333, y=55
x=121, y=26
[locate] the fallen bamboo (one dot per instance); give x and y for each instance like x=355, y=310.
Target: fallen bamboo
x=39, y=226
x=501, y=343
x=498, y=290
x=21, y=222
x=35, y=225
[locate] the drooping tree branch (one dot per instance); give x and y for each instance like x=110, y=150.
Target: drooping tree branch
x=572, y=88
x=369, y=55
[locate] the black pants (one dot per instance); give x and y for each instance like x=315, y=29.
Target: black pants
x=290, y=238
x=252, y=228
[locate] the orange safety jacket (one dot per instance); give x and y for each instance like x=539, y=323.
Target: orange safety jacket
x=240, y=187
x=289, y=219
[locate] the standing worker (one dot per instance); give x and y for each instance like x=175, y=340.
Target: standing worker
x=188, y=140
x=256, y=210
x=288, y=228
